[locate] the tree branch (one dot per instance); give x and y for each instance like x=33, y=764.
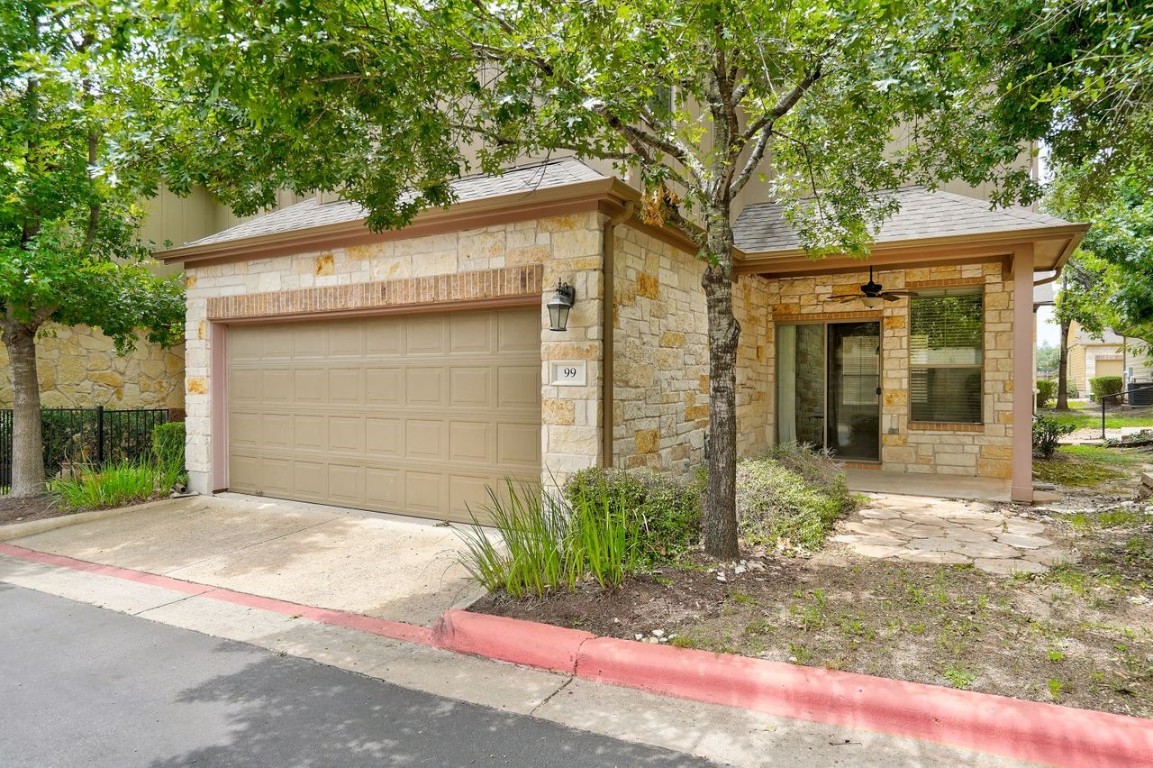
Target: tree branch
x=785, y=104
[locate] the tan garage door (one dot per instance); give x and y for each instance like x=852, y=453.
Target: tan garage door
x=1109, y=368
x=414, y=415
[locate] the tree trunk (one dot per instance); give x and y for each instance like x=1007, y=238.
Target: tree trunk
x=719, y=512
x=27, y=441
x=1063, y=369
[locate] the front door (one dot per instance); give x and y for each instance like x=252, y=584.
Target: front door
x=829, y=387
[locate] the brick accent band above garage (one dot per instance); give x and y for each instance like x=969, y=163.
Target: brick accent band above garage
x=482, y=286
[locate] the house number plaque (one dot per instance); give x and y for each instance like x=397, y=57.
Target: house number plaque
x=569, y=373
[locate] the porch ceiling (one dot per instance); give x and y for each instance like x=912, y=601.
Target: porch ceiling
x=929, y=228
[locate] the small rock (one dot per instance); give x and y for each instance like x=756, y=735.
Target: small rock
x=658, y=633
x=639, y=636
x=756, y=566
x=616, y=621
x=721, y=578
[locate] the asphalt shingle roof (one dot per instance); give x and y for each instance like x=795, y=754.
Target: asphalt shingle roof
x=923, y=214
x=312, y=213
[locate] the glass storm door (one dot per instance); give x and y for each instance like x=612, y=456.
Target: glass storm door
x=828, y=387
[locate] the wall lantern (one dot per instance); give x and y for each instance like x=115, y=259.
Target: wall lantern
x=559, y=305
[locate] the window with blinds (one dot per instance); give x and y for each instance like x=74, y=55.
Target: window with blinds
x=946, y=358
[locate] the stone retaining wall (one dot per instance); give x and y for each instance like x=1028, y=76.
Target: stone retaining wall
x=79, y=368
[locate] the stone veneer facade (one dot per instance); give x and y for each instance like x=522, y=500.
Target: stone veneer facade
x=980, y=450
x=464, y=268
x=661, y=357
x=79, y=368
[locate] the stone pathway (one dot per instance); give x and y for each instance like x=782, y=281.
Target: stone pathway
x=948, y=532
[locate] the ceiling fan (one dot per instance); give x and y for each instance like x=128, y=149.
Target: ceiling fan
x=872, y=293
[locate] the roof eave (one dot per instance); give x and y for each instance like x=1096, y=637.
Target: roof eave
x=520, y=205
x=767, y=261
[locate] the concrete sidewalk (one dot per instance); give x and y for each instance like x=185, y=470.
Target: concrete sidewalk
x=213, y=554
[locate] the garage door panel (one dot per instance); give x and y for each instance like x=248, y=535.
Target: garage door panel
x=426, y=335
x=408, y=414
x=470, y=333
x=346, y=339
x=346, y=433
x=425, y=439
x=346, y=483
x=471, y=387
x=468, y=494
x=384, y=437
x=309, y=433
x=276, y=430
x=346, y=386
x=471, y=442
x=518, y=332
x=383, y=338
x=275, y=386
x=244, y=429
x=384, y=387
x=310, y=480
x=518, y=445
x=382, y=488
x=424, y=387
x=309, y=341
x=308, y=386
x=518, y=386
x=245, y=386
x=424, y=492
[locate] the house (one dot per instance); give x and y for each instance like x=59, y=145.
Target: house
x=1090, y=357
x=406, y=370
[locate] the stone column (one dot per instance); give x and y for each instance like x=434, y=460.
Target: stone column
x=1022, y=266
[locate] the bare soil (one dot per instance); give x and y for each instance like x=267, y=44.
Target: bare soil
x=25, y=509
x=1081, y=635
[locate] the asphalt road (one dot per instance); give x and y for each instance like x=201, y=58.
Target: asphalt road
x=83, y=686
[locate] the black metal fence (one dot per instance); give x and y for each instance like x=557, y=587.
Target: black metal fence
x=85, y=436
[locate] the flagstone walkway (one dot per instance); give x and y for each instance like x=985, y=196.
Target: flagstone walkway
x=949, y=532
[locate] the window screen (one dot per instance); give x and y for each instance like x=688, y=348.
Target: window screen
x=946, y=356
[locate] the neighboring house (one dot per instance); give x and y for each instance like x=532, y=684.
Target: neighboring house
x=1091, y=357
x=404, y=371
x=78, y=366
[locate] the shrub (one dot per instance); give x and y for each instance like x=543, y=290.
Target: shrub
x=1103, y=386
x=605, y=525
x=114, y=486
x=168, y=444
x=790, y=498
x=1046, y=388
x=1071, y=390
x=667, y=511
x=1047, y=434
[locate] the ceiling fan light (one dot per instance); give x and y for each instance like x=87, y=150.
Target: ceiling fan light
x=873, y=302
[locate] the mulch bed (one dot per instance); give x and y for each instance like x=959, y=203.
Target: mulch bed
x=25, y=509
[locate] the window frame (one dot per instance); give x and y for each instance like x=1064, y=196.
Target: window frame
x=938, y=293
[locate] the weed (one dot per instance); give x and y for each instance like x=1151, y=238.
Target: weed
x=812, y=616
x=958, y=676
x=683, y=641
x=1055, y=655
x=742, y=599
x=1055, y=687
x=799, y=654
x=758, y=626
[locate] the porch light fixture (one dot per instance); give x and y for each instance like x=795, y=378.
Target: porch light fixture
x=559, y=305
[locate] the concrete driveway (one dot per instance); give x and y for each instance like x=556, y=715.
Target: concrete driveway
x=397, y=568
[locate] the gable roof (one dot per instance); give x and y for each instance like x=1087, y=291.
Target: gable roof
x=763, y=229
x=312, y=213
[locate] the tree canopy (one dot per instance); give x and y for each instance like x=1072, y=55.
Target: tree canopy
x=68, y=213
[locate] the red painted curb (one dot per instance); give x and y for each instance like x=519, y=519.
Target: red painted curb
x=520, y=642
x=1028, y=730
